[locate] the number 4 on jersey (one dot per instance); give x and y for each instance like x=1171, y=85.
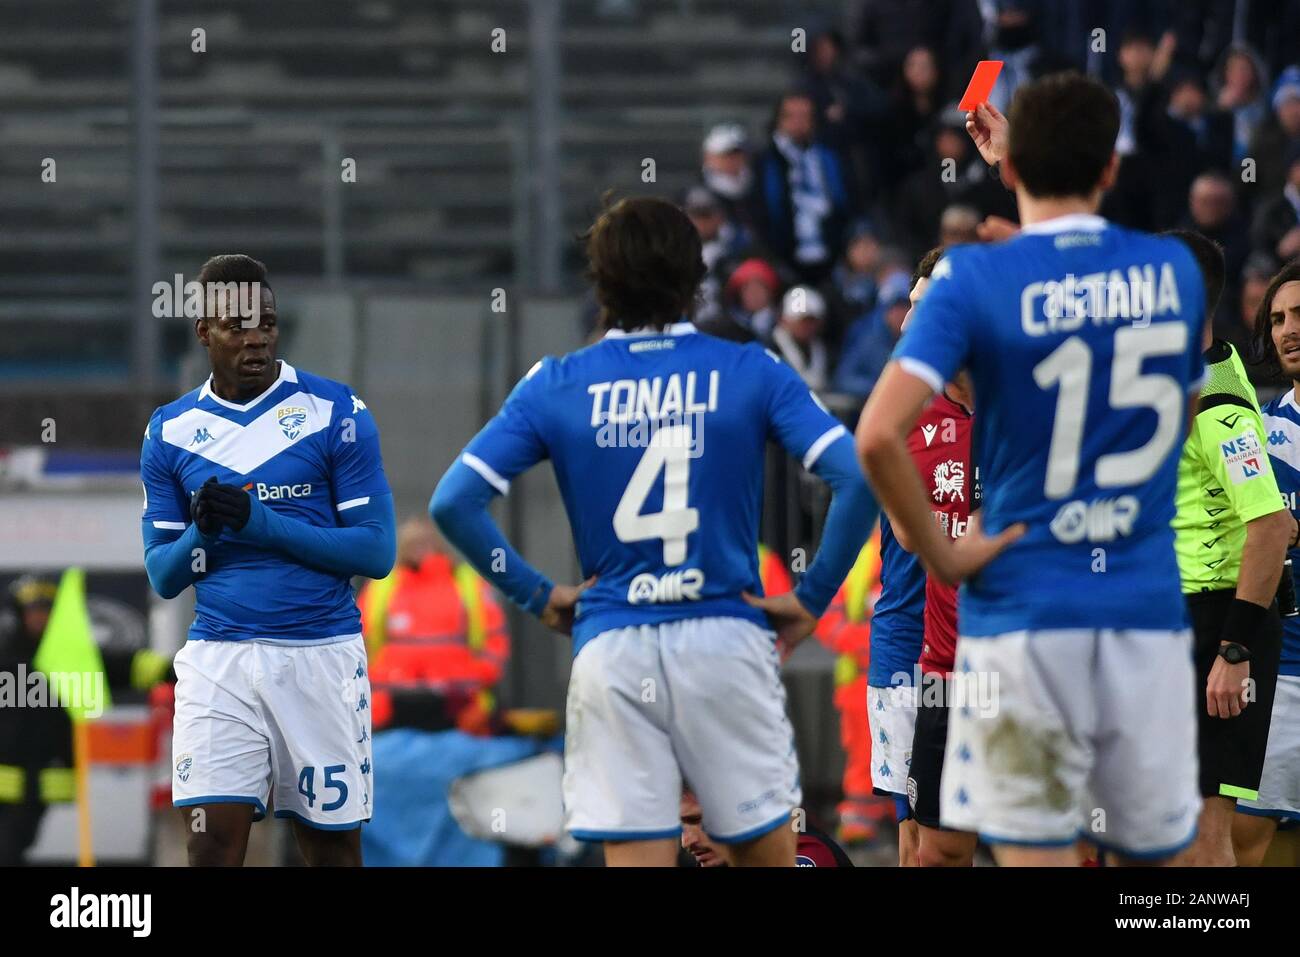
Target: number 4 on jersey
x=669, y=452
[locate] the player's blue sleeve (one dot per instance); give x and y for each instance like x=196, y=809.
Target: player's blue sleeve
x=169, y=537
x=812, y=435
x=508, y=445
x=166, y=506
x=849, y=521
x=936, y=343
x=356, y=464
x=366, y=544
x=460, y=508
x=170, y=558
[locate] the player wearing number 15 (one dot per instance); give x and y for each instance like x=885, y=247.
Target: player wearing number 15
x=657, y=436
x=1083, y=343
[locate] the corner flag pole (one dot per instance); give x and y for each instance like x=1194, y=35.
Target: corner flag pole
x=74, y=668
x=81, y=764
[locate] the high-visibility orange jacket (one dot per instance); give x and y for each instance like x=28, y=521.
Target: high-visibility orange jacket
x=772, y=573
x=437, y=625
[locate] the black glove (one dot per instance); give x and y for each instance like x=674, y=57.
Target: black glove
x=231, y=504
x=201, y=511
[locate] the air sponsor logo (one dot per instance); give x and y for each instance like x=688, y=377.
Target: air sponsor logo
x=1101, y=520
x=683, y=585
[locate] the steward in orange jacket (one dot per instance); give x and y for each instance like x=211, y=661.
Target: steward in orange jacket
x=433, y=625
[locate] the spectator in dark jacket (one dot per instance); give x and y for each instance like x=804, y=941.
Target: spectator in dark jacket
x=1279, y=132
x=722, y=245
x=801, y=193
x=853, y=281
x=955, y=173
x=916, y=103
x=872, y=338
x=1212, y=212
x=1276, y=230
x=882, y=31
x=1240, y=82
x=851, y=109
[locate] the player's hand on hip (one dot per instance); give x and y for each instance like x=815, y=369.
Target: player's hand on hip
x=988, y=128
x=562, y=605
x=1225, y=691
x=787, y=616
x=974, y=550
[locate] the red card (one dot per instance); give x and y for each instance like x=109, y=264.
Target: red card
x=981, y=84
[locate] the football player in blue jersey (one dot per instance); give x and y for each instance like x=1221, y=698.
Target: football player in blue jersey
x=657, y=436
x=1277, y=338
x=265, y=490
x=897, y=629
x=1073, y=680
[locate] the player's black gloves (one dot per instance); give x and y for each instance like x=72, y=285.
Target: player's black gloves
x=215, y=505
x=231, y=504
x=201, y=509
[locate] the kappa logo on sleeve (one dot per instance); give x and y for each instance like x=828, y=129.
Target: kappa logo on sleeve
x=1244, y=457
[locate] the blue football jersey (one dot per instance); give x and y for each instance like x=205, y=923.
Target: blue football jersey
x=657, y=441
x=1282, y=422
x=307, y=448
x=898, y=617
x=1083, y=340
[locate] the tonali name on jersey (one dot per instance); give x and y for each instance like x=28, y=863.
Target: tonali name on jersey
x=627, y=400
x=667, y=521
x=1082, y=386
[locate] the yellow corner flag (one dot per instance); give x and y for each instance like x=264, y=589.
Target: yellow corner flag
x=68, y=655
x=74, y=671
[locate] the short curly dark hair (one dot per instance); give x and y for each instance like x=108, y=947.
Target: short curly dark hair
x=645, y=261
x=1062, y=136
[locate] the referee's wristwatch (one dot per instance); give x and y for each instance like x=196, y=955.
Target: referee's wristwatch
x=1233, y=653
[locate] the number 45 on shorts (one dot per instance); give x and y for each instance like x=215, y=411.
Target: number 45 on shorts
x=307, y=786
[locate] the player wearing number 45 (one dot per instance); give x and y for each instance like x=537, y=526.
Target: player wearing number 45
x=657, y=436
x=1083, y=341
x=264, y=489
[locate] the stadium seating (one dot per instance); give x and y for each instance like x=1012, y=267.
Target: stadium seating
x=252, y=132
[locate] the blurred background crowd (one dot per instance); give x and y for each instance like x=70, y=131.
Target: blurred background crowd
x=812, y=226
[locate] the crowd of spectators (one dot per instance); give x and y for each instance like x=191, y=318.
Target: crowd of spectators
x=811, y=230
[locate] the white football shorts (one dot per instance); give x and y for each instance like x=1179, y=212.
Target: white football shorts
x=1077, y=733
x=699, y=700
x=891, y=712
x=257, y=721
